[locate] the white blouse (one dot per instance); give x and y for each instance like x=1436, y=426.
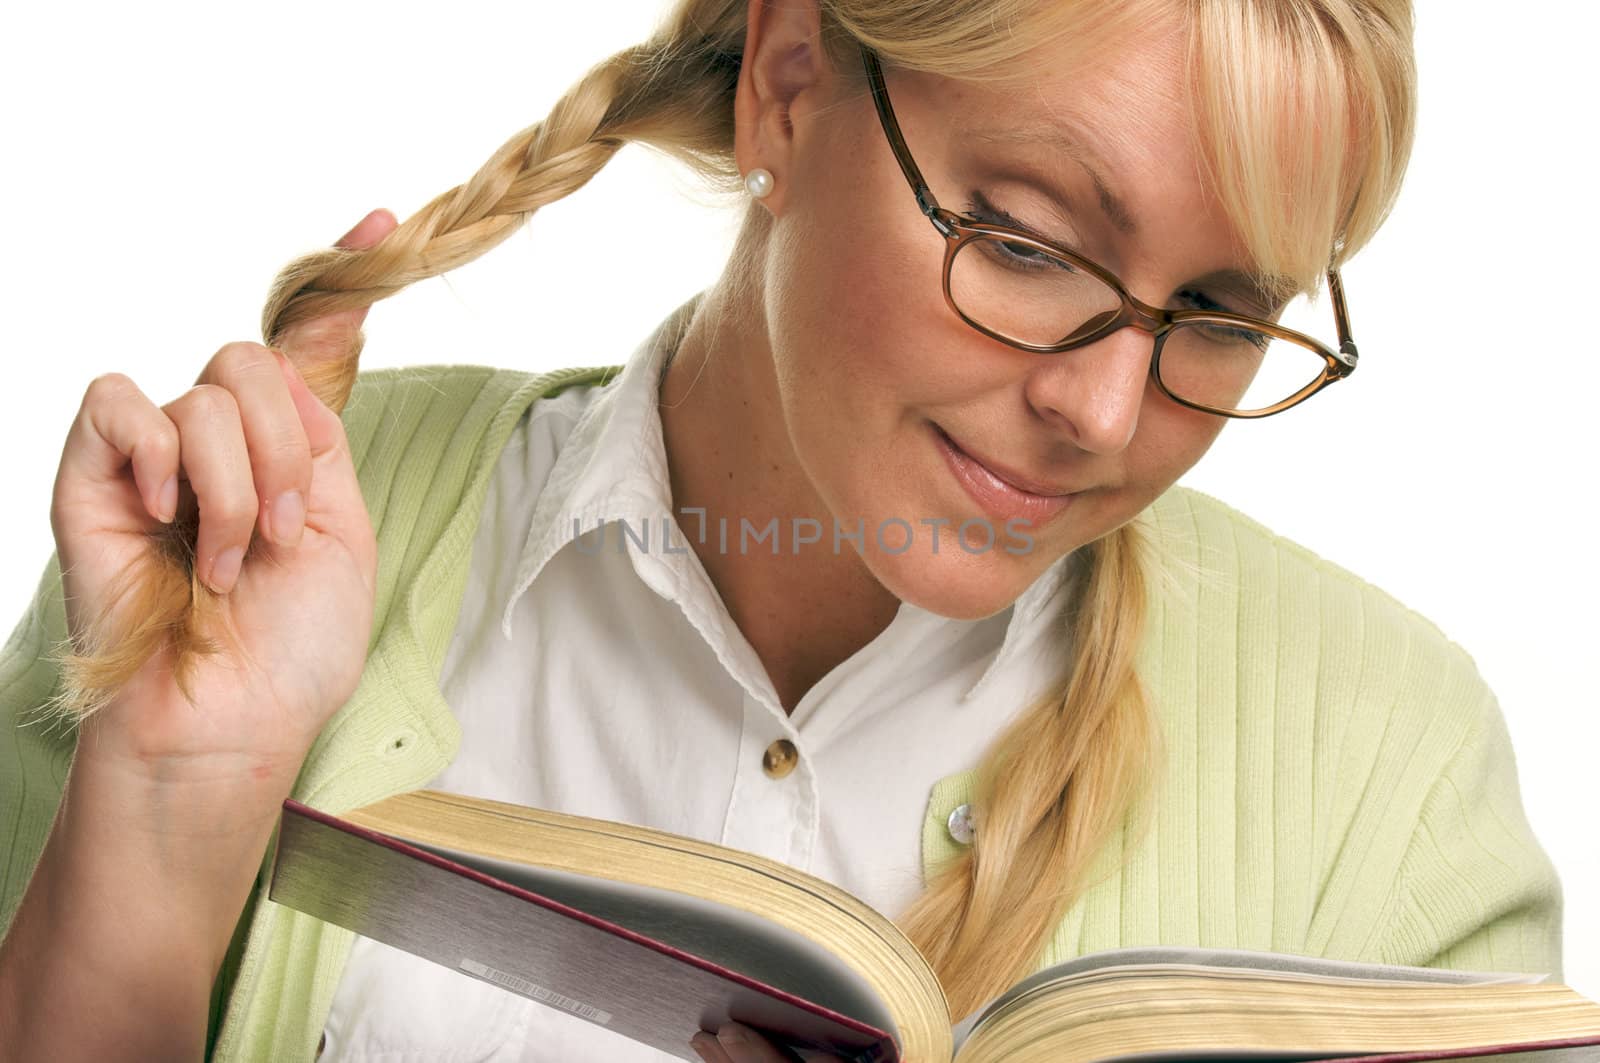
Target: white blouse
x=670, y=731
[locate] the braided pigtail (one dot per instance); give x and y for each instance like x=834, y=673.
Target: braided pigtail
x=1050, y=793
x=673, y=92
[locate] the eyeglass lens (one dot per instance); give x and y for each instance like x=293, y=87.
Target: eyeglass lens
x=1028, y=295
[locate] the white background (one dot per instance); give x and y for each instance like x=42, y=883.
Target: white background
x=164, y=159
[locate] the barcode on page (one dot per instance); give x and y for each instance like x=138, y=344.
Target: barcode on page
x=537, y=992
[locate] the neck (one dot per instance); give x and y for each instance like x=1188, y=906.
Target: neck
x=728, y=452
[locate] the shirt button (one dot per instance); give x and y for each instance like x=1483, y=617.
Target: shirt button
x=780, y=758
x=960, y=824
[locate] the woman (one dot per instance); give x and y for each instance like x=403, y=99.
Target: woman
x=1026, y=726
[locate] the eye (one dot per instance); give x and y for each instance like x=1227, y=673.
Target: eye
x=1013, y=255
x=1200, y=300
x=1222, y=333
x=983, y=209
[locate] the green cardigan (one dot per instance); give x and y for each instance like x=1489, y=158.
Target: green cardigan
x=1340, y=780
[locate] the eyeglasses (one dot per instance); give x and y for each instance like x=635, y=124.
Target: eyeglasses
x=1017, y=287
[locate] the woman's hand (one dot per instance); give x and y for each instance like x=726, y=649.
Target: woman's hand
x=259, y=456
x=168, y=806
x=737, y=1043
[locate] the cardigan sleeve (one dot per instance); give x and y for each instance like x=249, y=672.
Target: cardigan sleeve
x=35, y=753
x=1475, y=890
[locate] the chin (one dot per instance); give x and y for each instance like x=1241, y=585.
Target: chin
x=956, y=584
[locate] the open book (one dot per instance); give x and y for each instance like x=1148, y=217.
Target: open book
x=656, y=936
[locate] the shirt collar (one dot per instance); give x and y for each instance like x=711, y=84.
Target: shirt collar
x=613, y=466
x=1026, y=612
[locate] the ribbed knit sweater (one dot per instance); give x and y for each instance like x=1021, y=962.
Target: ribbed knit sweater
x=1339, y=779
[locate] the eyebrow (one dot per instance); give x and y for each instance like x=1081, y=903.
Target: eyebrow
x=1073, y=148
x=1277, y=289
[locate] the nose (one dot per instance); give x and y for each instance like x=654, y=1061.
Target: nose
x=1092, y=394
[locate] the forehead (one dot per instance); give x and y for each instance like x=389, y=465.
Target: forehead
x=1108, y=105
x=1121, y=118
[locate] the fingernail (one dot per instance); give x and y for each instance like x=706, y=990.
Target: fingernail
x=733, y=1034
x=225, y=569
x=167, y=501
x=288, y=518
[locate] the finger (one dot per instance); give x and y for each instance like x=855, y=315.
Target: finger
x=118, y=424
x=745, y=1045
x=324, y=430
x=214, y=458
x=332, y=336
x=706, y=1046
x=276, y=440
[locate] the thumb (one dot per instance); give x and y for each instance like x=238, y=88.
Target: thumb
x=332, y=336
x=369, y=230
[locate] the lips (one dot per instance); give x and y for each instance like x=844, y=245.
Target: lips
x=996, y=495
x=1000, y=472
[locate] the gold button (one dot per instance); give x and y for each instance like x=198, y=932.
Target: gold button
x=780, y=758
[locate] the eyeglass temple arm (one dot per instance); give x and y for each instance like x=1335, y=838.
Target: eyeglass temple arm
x=1341, y=314
x=897, y=142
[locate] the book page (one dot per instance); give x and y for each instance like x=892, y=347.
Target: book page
x=725, y=935
x=1282, y=963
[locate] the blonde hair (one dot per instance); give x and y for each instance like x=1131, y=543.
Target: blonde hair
x=1063, y=777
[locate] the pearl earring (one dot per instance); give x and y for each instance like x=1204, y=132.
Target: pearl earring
x=758, y=182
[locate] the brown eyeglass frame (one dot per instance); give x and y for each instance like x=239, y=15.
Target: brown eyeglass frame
x=958, y=229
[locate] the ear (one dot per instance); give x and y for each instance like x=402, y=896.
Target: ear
x=781, y=75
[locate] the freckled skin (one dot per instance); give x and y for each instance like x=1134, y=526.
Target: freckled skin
x=807, y=379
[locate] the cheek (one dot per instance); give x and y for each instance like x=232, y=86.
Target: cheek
x=854, y=316
x=852, y=303
x=853, y=276
x=1169, y=441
